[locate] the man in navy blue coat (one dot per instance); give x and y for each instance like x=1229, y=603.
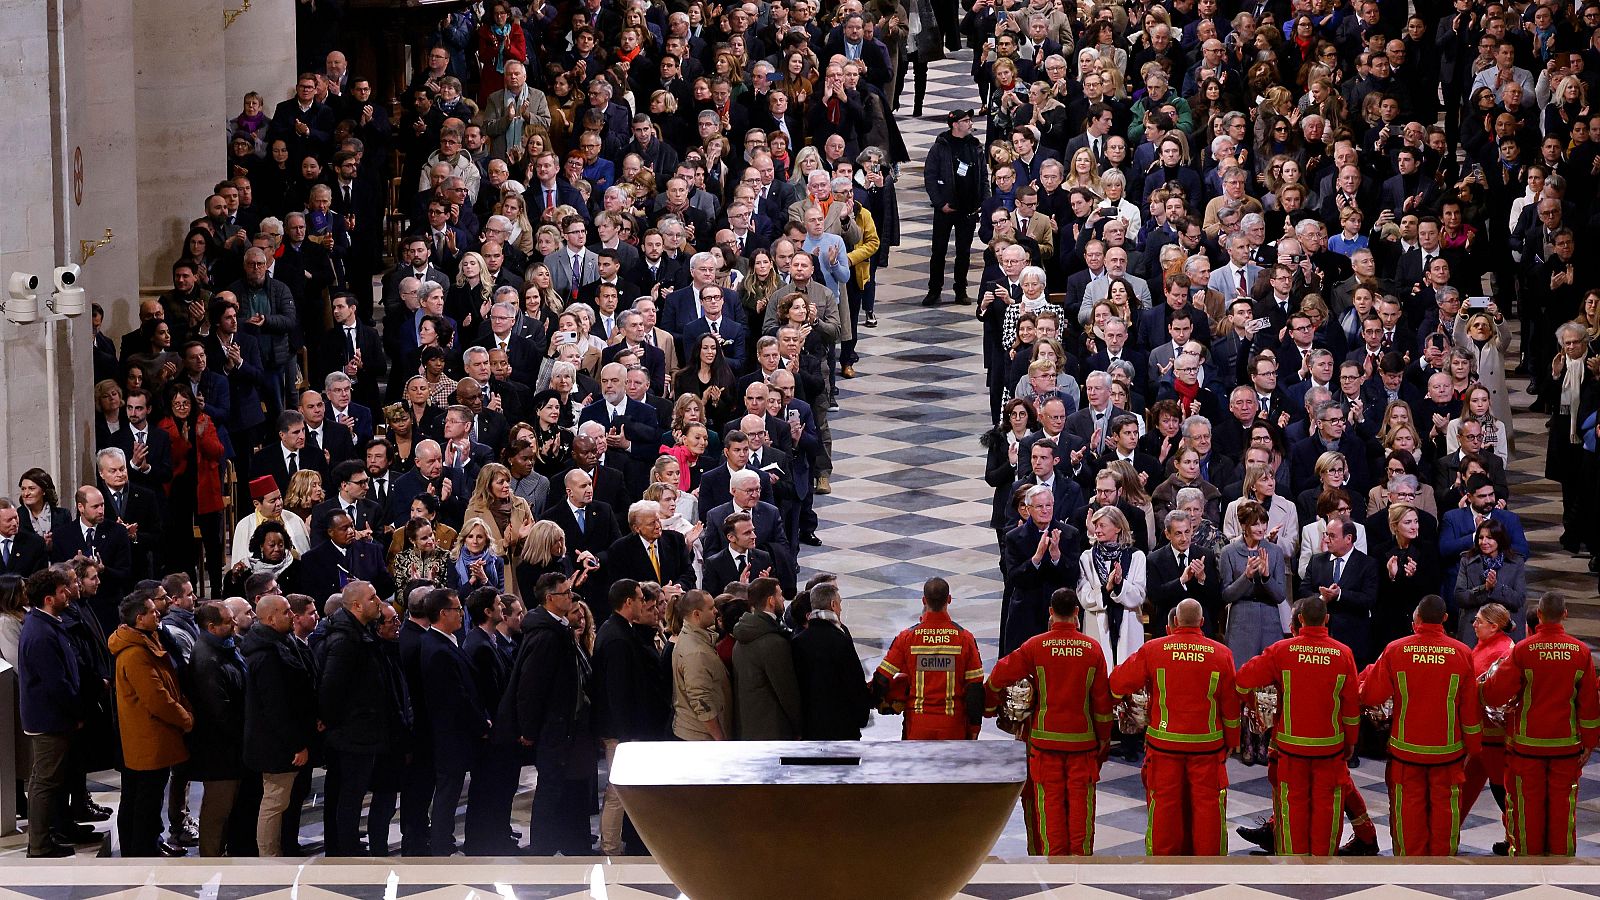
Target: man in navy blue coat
x=50, y=693
x=457, y=721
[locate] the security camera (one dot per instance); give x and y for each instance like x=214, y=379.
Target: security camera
x=69, y=299
x=21, y=285
x=66, y=276
x=23, y=305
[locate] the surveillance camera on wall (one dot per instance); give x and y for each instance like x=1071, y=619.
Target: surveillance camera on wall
x=22, y=285
x=69, y=299
x=23, y=305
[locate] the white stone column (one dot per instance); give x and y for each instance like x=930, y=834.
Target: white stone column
x=180, y=111
x=260, y=51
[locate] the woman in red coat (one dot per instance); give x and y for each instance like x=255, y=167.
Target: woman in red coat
x=1492, y=625
x=194, y=496
x=500, y=40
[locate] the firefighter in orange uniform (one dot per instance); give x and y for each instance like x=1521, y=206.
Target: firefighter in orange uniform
x=1317, y=726
x=1194, y=722
x=935, y=664
x=1434, y=726
x=1550, y=733
x=1069, y=734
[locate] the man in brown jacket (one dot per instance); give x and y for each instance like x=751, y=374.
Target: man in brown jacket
x=153, y=717
x=702, y=695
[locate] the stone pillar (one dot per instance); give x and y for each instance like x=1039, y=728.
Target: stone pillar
x=180, y=111
x=98, y=153
x=260, y=52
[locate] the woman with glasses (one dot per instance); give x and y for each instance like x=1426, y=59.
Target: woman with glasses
x=1333, y=473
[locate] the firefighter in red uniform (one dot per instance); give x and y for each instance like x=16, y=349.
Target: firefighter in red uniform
x=936, y=664
x=1069, y=734
x=1317, y=726
x=1550, y=733
x=1194, y=723
x=1434, y=726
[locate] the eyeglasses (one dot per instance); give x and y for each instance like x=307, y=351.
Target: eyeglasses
x=1337, y=420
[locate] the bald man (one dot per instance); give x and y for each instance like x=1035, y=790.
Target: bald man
x=279, y=721
x=1194, y=723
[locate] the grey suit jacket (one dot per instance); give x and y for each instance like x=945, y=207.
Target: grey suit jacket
x=560, y=264
x=496, y=115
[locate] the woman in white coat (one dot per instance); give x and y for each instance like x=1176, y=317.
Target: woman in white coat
x=1111, y=585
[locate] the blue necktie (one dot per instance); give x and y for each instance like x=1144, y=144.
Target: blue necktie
x=579, y=514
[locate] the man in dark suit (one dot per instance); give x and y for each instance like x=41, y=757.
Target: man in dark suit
x=648, y=553
x=1347, y=580
x=457, y=722
x=630, y=426
x=834, y=697
x=589, y=525
x=303, y=123
x=432, y=477
x=148, y=449
x=288, y=454
x=415, y=253
x=1123, y=444
x=462, y=454
x=1180, y=571
x=850, y=41
x=1091, y=426
x=715, y=483
x=21, y=552
x=238, y=358
x=343, y=411
x=740, y=560
x=731, y=334
x=354, y=348
x=1458, y=527
x=1039, y=555
x=1332, y=433
x=137, y=507
x=1043, y=463
x=632, y=326
x=105, y=540
x=770, y=535
x=350, y=482
x=325, y=569
x=608, y=483
x=326, y=442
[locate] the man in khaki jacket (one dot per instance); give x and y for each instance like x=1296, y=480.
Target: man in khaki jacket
x=702, y=694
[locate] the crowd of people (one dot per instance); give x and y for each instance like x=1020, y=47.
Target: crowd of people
x=1250, y=278
x=525, y=378
x=572, y=301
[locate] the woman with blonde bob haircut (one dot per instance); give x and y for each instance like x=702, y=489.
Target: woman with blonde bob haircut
x=1111, y=585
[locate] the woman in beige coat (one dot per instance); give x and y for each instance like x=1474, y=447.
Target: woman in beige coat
x=507, y=516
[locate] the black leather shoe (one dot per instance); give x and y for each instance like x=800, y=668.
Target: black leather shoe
x=172, y=851
x=1501, y=848
x=93, y=812
x=75, y=834
x=1259, y=834
x=810, y=539
x=931, y=300
x=52, y=851
x=1357, y=847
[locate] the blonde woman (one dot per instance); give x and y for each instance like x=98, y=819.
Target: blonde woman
x=476, y=562
x=506, y=516
x=1084, y=172
x=1283, y=521
x=676, y=512
x=1132, y=487
x=1111, y=585
x=305, y=491
x=545, y=551
x=513, y=207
